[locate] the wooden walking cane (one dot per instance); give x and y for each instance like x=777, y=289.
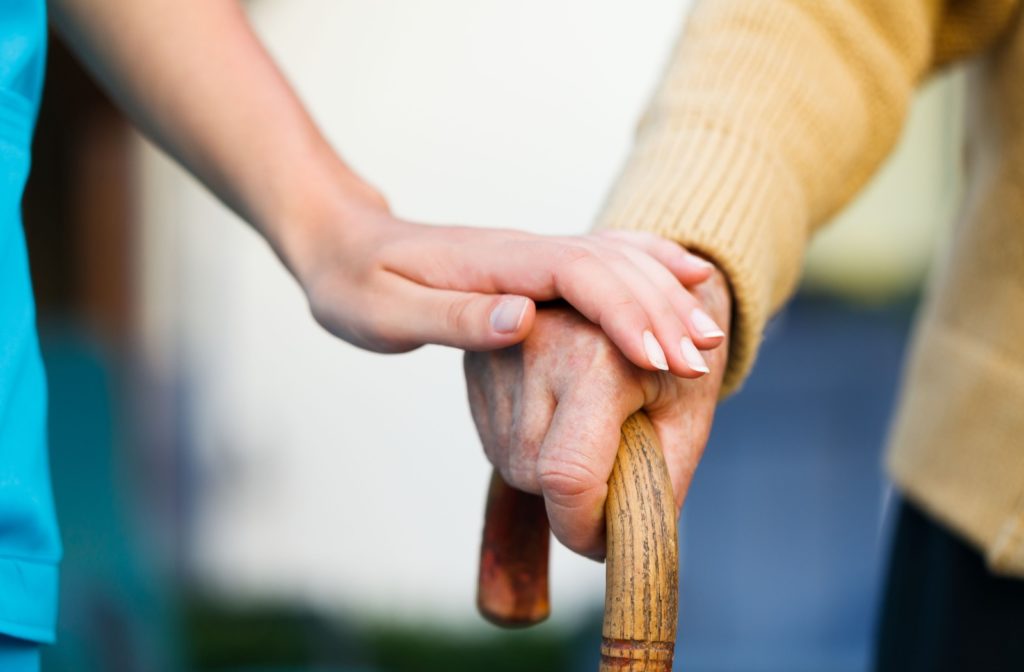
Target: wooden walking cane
x=642, y=567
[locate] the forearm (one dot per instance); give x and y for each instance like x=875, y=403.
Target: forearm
x=195, y=78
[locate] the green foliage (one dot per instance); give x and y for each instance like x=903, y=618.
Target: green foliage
x=409, y=649
x=275, y=638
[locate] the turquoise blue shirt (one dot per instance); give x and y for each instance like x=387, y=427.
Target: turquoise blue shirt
x=29, y=542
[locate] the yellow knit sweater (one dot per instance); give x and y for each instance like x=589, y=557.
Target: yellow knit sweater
x=770, y=117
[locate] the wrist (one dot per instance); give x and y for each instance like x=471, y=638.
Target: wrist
x=326, y=201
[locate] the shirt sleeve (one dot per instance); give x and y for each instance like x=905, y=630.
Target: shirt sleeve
x=770, y=117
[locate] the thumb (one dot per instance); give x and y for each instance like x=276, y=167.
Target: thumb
x=466, y=320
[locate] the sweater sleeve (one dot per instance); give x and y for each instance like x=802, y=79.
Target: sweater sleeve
x=771, y=115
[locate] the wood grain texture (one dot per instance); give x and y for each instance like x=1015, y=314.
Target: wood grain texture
x=512, y=589
x=642, y=567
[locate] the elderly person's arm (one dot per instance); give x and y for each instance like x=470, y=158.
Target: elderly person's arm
x=770, y=116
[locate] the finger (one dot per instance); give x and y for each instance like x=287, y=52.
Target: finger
x=687, y=267
x=484, y=408
x=466, y=320
x=575, y=463
x=702, y=329
x=544, y=269
x=487, y=262
x=611, y=291
x=682, y=442
x=669, y=329
x=682, y=415
x=529, y=424
x=594, y=289
x=540, y=268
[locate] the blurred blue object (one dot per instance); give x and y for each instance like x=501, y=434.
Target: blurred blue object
x=782, y=534
x=114, y=614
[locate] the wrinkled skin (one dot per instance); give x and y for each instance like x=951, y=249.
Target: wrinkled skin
x=549, y=410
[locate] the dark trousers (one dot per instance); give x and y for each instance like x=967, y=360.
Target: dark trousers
x=942, y=609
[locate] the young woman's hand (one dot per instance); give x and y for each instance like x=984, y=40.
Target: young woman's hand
x=227, y=113
x=390, y=285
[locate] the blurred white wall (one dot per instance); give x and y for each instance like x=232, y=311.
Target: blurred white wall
x=333, y=476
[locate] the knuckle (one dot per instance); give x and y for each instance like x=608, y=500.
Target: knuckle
x=594, y=355
x=622, y=302
x=685, y=296
x=666, y=314
x=456, y=316
x=623, y=311
x=520, y=476
x=566, y=480
x=572, y=254
x=496, y=450
x=604, y=355
x=525, y=448
x=660, y=391
x=493, y=454
x=619, y=257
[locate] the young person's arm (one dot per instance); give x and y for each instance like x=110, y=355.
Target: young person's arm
x=195, y=78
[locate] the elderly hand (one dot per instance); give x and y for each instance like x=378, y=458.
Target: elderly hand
x=549, y=412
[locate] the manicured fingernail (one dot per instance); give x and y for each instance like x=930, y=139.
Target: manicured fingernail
x=700, y=261
x=692, y=355
x=508, y=315
x=703, y=323
x=654, y=352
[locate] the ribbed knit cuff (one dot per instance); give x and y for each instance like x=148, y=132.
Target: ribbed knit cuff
x=719, y=195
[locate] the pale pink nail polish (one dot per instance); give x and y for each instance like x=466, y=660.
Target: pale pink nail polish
x=508, y=315
x=703, y=323
x=700, y=262
x=692, y=355
x=654, y=352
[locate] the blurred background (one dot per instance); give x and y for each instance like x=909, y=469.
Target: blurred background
x=239, y=491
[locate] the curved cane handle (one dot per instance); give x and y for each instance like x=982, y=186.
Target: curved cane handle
x=642, y=578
